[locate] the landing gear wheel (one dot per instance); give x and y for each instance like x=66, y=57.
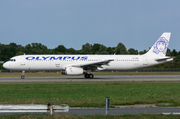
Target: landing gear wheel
x=91, y=76
x=23, y=72
x=22, y=77
x=86, y=75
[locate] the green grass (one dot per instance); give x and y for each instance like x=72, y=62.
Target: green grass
x=138, y=116
x=91, y=94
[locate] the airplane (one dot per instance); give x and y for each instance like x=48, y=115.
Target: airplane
x=85, y=64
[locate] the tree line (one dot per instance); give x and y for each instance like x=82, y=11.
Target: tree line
x=12, y=49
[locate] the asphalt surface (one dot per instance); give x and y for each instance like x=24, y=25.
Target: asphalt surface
x=116, y=111
x=95, y=79
x=120, y=111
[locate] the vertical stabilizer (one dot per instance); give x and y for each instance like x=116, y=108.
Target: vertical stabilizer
x=159, y=49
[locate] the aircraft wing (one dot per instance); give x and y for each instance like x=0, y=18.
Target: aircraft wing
x=94, y=65
x=1, y=62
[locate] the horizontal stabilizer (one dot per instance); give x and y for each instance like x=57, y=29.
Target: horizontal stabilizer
x=164, y=59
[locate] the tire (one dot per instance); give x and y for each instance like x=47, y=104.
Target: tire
x=91, y=76
x=22, y=77
x=86, y=76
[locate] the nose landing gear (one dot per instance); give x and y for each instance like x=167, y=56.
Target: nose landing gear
x=22, y=77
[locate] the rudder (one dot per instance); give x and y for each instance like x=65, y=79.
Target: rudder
x=159, y=49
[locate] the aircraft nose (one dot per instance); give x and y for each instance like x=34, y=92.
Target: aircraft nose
x=5, y=65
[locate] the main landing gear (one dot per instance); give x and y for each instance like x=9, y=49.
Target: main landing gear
x=91, y=76
x=22, y=77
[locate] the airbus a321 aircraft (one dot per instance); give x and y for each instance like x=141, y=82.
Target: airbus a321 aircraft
x=85, y=64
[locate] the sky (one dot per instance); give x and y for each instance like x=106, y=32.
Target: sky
x=135, y=23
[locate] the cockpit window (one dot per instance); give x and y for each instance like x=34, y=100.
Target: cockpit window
x=12, y=60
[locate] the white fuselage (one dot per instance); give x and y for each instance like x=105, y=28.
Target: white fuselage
x=60, y=62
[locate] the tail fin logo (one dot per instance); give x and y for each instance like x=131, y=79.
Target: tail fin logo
x=161, y=45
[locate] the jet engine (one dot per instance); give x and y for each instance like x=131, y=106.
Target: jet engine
x=72, y=71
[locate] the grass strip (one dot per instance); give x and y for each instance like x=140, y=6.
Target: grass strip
x=91, y=94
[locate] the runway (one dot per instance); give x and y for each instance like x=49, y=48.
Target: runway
x=135, y=78
x=121, y=111
x=115, y=111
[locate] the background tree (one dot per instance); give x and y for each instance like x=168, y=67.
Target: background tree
x=110, y=50
x=121, y=49
x=103, y=49
x=174, y=53
x=4, y=56
x=143, y=52
x=71, y=51
x=60, y=49
x=168, y=53
x=28, y=49
x=132, y=51
x=35, y=48
x=86, y=49
x=20, y=50
x=12, y=49
x=95, y=48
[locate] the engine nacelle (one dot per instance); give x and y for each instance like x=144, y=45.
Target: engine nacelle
x=72, y=71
